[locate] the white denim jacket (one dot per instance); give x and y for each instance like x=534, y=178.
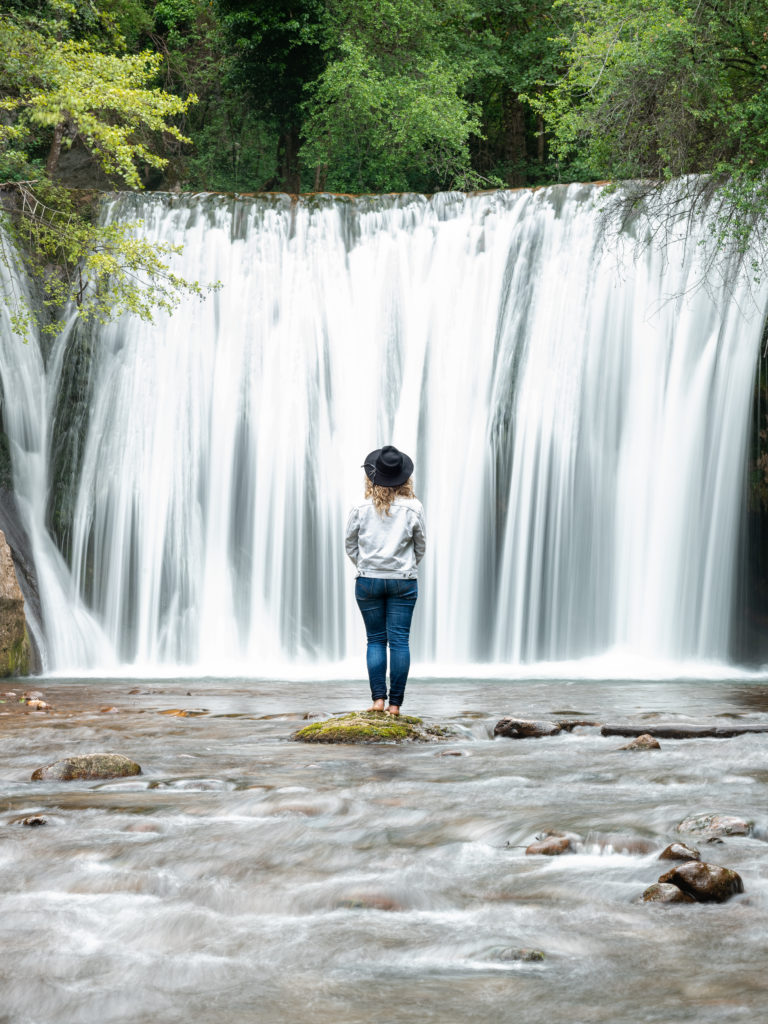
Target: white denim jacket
x=390, y=546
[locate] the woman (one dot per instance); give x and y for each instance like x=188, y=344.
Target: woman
x=386, y=540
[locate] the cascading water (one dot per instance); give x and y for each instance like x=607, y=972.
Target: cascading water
x=579, y=437
x=68, y=633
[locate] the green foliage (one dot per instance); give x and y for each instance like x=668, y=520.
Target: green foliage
x=58, y=87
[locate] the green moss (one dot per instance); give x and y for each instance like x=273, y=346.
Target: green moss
x=18, y=659
x=368, y=727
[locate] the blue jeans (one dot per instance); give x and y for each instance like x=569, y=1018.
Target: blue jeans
x=387, y=609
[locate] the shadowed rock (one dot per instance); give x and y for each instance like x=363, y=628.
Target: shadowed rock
x=521, y=728
x=87, y=766
x=679, y=851
x=707, y=883
x=370, y=727
x=665, y=892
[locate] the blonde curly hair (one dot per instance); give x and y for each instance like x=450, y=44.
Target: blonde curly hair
x=384, y=496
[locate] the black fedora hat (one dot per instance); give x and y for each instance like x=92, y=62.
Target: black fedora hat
x=388, y=467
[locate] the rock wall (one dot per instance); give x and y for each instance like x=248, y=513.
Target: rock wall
x=15, y=649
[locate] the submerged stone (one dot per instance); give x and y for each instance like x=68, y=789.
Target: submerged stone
x=87, y=766
x=552, y=846
x=706, y=883
x=370, y=727
x=512, y=955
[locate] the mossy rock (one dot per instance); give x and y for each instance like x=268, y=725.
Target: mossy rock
x=370, y=727
x=87, y=766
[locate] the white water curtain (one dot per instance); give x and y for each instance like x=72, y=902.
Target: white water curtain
x=579, y=436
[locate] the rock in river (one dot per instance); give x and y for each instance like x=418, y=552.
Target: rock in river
x=551, y=846
x=643, y=742
x=711, y=825
x=370, y=727
x=679, y=851
x=521, y=728
x=707, y=883
x=87, y=766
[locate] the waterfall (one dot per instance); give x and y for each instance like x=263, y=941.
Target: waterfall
x=578, y=422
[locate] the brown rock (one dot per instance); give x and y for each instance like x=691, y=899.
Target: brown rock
x=664, y=892
x=87, y=766
x=15, y=649
x=551, y=846
x=643, y=742
x=521, y=728
x=679, y=851
x=707, y=883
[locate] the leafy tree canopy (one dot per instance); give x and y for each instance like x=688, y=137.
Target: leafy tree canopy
x=61, y=83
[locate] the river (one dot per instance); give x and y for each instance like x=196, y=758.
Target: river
x=246, y=877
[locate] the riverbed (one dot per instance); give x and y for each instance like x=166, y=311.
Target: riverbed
x=246, y=877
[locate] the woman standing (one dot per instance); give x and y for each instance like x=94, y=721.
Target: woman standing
x=386, y=540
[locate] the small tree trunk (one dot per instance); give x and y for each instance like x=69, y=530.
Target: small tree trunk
x=54, y=152
x=287, y=160
x=540, y=139
x=514, y=139
x=321, y=172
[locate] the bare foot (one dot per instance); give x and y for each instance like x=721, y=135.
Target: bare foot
x=378, y=705
x=393, y=710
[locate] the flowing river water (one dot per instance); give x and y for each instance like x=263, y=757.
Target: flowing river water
x=246, y=877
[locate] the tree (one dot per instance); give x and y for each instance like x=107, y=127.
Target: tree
x=57, y=88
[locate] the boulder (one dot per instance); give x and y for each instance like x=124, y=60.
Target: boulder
x=713, y=825
x=679, y=851
x=665, y=892
x=643, y=742
x=15, y=651
x=370, y=727
x=522, y=728
x=87, y=766
x=707, y=883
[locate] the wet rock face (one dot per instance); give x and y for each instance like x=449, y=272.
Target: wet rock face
x=512, y=955
x=370, y=727
x=706, y=883
x=14, y=642
x=713, y=825
x=87, y=766
x=521, y=728
x=665, y=892
x=679, y=851
x=643, y=742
